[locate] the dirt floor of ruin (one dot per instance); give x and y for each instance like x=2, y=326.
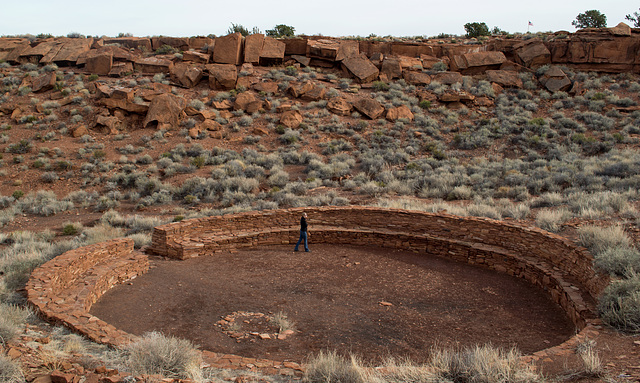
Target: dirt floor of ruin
x=372, y=302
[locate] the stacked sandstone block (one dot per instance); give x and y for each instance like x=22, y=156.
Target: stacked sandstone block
x=64, y=289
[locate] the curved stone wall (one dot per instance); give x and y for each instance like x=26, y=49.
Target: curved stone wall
x=64, y=288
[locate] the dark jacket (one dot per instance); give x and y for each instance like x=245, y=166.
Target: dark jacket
x=303, y=224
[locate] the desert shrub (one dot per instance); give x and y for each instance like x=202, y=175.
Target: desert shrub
x=49, y=177
x=551, y=220
x=12, y=319
x=619, y=305
x=140, y=239
x=328, y=366
x=10, y=371
x=170, y=357
x=619, y=260
x=481, y=364
x=595, y=120
x=71, y=228
x=43, y=203
x=278, y=178
x=598, y=239
x=21, y=147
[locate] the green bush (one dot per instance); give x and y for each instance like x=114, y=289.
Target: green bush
x=239, y=28
x=170, y=357
x=21, y=147
x=380, y=86
x=281, y=30
x=634, y=18
x=477, y=29
x=590, y=19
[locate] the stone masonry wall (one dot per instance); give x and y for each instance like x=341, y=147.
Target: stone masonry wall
x=544, y=259
x=64, y=289
x=435, y=232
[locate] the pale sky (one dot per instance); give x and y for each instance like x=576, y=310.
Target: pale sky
x=327, y=17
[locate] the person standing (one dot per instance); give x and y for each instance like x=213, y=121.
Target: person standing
x=303, y=233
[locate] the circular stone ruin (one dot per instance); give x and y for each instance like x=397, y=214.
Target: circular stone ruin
x=395, y=241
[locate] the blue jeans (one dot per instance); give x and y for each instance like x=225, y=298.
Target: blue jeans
x=303, y=236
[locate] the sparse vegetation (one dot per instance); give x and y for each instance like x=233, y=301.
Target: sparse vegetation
x=167, y=356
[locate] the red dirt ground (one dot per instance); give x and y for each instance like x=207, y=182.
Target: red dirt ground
x=333, y=295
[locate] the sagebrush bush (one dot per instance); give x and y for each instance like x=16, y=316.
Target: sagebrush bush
x=328, y=366
x=551, y=220
x=618, y=260
x=619, y=305
x=599, y=239
x=170, y=357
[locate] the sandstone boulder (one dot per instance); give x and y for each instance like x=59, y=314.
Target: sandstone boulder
x=243, y=100
x=369, y=107
x=532, y=53
x=295, y=46
x=448, y=78
x=314, y=94
x=71, y=51
x=228, y=49
x=141, y=43
x=417, y=78
x=297, y=90
x=391, y=68
x=126, y=105
x=210, y=125
x=222, y=76
x=122, y=93
x=186, y=75
x=348, y=49
x=291, y=119
x=44, y=83
x=100, y=64
x=324, y=49
x=400, y=112
x=268, y=87
x=199, y=42
x=304, y=60
x=195, y=57
x=429, y=61
x=153, y=65
x=180, y=43
x=555, y=80
x=410, y=63
x=506, y=79
x=621, y=29
x=121, y=69
x=111, y=123
x=477, y=62
x=339, y=106
x=222, y=104
x=361, y=68
x=272, y=51
x=253, y=47
x=165, y=111
x=79, y=131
